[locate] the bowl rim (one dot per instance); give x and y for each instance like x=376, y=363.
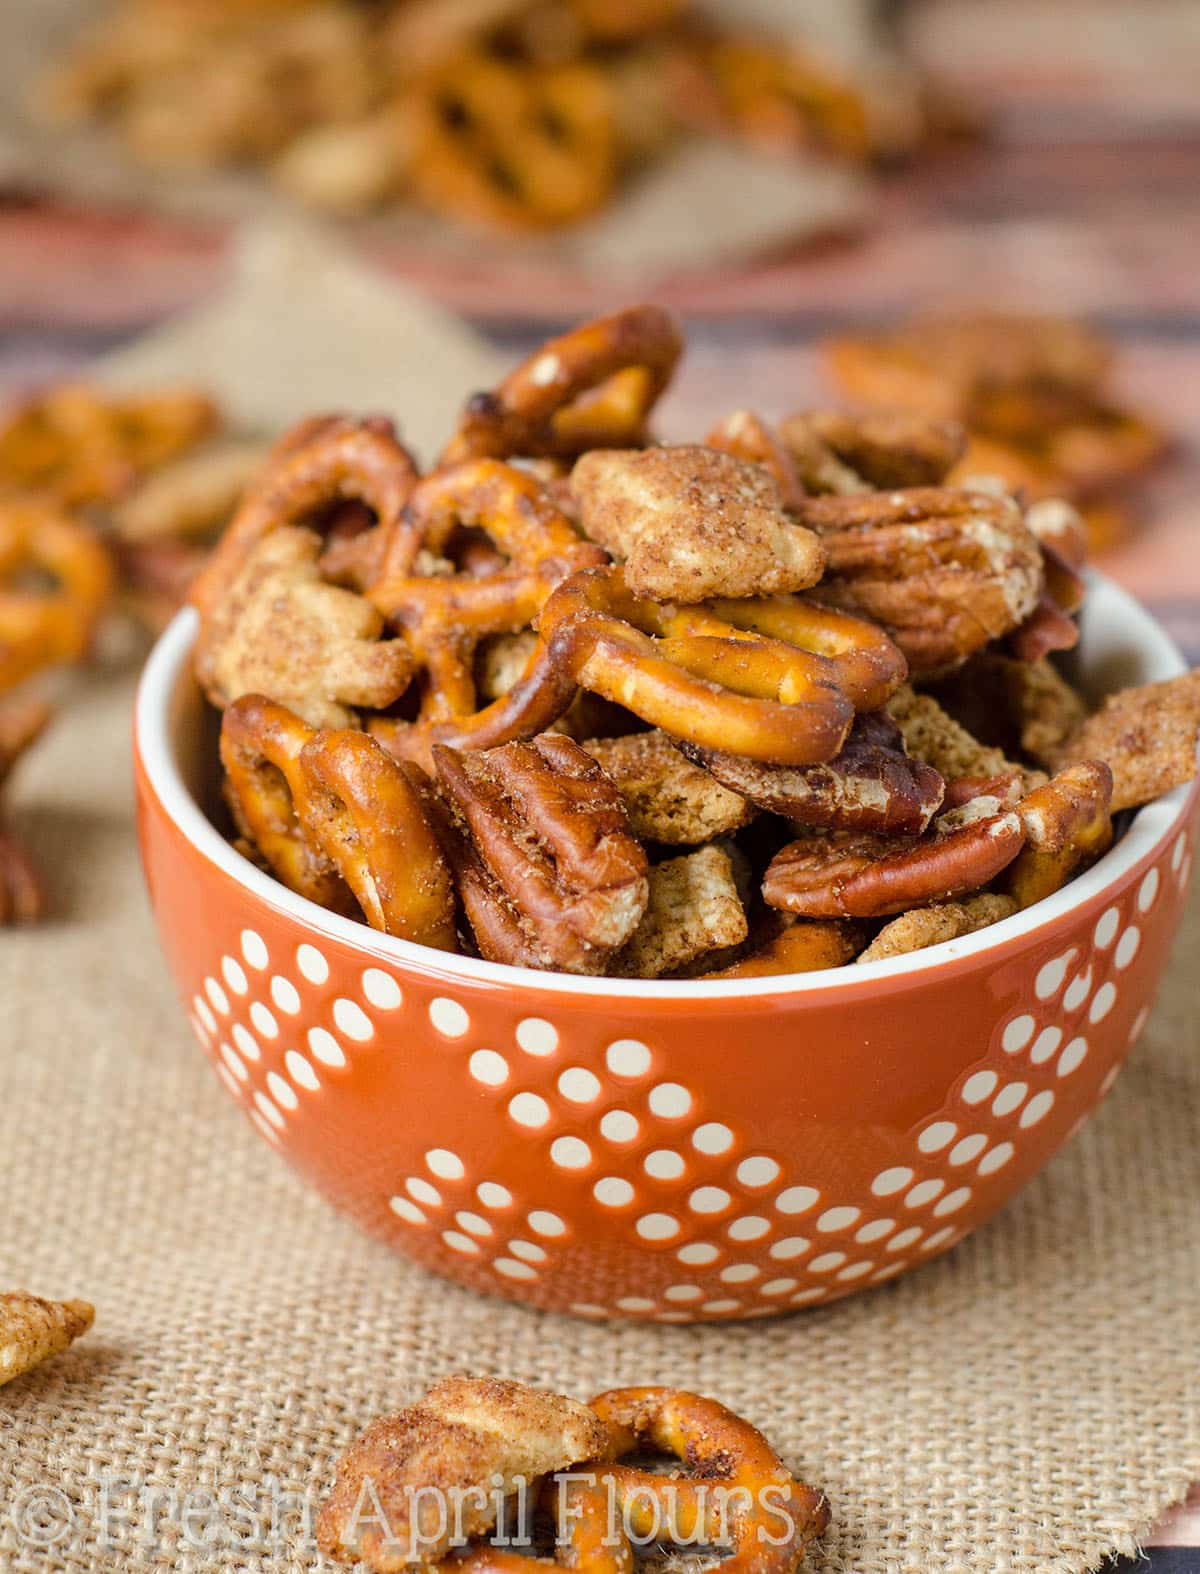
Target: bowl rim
x=1151, y=826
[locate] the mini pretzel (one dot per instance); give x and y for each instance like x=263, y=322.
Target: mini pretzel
x=320, y=463
x=55, y=581
x=78, y=445
x=511, y=144
x=22, y=890
x=591, y=388
x=943, y=569
x=870, y=785
x=330, y=810
x=737, y=1490
x=266, y=789
x=845, y=874
x=444, y=617
x=746, y=436
x=775, y=680
x=565, y=871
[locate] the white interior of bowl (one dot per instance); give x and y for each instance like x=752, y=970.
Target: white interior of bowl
x=1121, y=644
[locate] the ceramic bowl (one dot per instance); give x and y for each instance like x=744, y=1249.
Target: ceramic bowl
x=655, y=1150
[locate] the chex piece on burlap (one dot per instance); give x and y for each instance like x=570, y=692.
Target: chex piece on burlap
x=1028, y=1403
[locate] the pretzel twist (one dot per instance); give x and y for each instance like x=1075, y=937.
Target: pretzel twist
x=1067, y=825
x=45, y=625
x=737, y=1491
x=323, y=462
x=511, y=144
x=591, y=388
x=444, y=617
x=337, y=820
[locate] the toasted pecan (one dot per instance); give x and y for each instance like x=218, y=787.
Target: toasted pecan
x=849, y=874
x=693, y=910
x=1147, y=736
x=692, y=522
x=881, y=449
x=944, y=570
x=871, y=785
x=469, y=1443
x=33, y=1330
x=668, y=798
x=925, y=926
x=552, y=834
x=280, y=630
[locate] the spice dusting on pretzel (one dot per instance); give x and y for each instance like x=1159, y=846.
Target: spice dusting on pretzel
x=735, y=1483
x=870, y=785
x=691, y=523
x=591, y=388
x=817, y=664
x=33, y=1330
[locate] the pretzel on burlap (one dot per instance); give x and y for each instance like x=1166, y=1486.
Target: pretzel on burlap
x=334, y=816
x=55, y=581
x=773, y=680
x=522, y=146
x=591, y=388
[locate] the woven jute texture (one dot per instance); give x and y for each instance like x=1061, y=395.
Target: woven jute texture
x=1029, y=1403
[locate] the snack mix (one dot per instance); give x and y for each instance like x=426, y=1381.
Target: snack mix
x=1033, y=394
x=573, y=700
x=453, y=1464
x=33, y=1330
x=521, y=115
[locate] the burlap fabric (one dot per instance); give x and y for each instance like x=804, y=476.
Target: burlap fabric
x=1029, y=1403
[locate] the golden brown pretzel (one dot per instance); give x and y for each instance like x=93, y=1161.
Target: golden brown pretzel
x=847, y=874
x=78, y=445
x=737, y=1491
x=52, y=619
x=266, y=789
x=773, y=680
x=334, y=816
x=324, y=461
x=591, y=388
x=747, y=436
x=22, y=890
x=362, y=810
x=444, y=617
x=805, y=946
x=512, y=144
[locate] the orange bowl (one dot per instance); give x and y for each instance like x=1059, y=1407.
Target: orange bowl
x=659, y=1150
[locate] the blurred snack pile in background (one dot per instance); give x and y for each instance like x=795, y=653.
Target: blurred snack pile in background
x=508, y=114
x=1034, y=394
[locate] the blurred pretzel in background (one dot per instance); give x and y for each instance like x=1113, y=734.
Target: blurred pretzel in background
x=1035, y=395
x=516, y=115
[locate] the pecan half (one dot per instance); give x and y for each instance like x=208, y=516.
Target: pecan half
x=881, y=449
x=554, y=840
x=280, y=630
x=871, y=785
x=848, y=874
x=943, y=569
x=1067, y=826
